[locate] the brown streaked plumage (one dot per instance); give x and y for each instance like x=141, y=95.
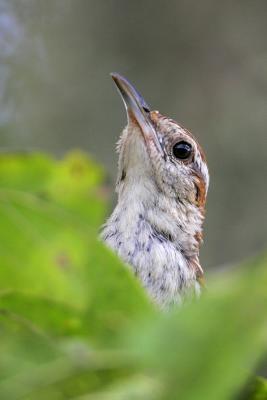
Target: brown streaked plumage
x=162, y=184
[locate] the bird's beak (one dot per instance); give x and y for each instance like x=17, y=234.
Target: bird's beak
x=137, y=110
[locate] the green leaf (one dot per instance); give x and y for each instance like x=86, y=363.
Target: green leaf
x=116, y=297
x=61, y=290
x=76, y=324
x=51, y=317
x=207, y=349
x=258, y=390
x=75, y=182
x=32, y=366
x=28, y=172
x=49, y=250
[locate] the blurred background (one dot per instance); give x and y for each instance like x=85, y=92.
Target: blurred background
x=201, y=63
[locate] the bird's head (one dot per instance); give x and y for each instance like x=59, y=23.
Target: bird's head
x=156, y=148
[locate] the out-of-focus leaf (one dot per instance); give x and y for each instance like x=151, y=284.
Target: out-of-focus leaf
x=259, y=390
x=75, y=182
x=49, y=250
x=23, y=345
x=42, y=249
x=137, y=387
x=116, y=297
x=66, y=301
x=58, y=282
x=206, y=350
x=33, y=366
x=28, y=172
x=55, y=319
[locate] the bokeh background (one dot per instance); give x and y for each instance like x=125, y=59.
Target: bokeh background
x=203, y=63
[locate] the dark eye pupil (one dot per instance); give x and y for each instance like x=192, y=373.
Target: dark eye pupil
x=182, y=150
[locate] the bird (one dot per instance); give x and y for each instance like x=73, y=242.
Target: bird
x=162, y=183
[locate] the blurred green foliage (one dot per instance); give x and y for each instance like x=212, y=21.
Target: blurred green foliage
x=74, y=321
x=259, y=390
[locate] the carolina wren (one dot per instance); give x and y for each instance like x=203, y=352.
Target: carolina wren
x=156, y=226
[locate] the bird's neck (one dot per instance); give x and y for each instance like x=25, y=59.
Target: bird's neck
x=158, y=236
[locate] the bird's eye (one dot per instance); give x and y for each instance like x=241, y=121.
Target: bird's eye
x=182, y=150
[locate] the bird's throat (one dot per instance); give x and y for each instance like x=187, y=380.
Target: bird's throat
x=159, y=239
